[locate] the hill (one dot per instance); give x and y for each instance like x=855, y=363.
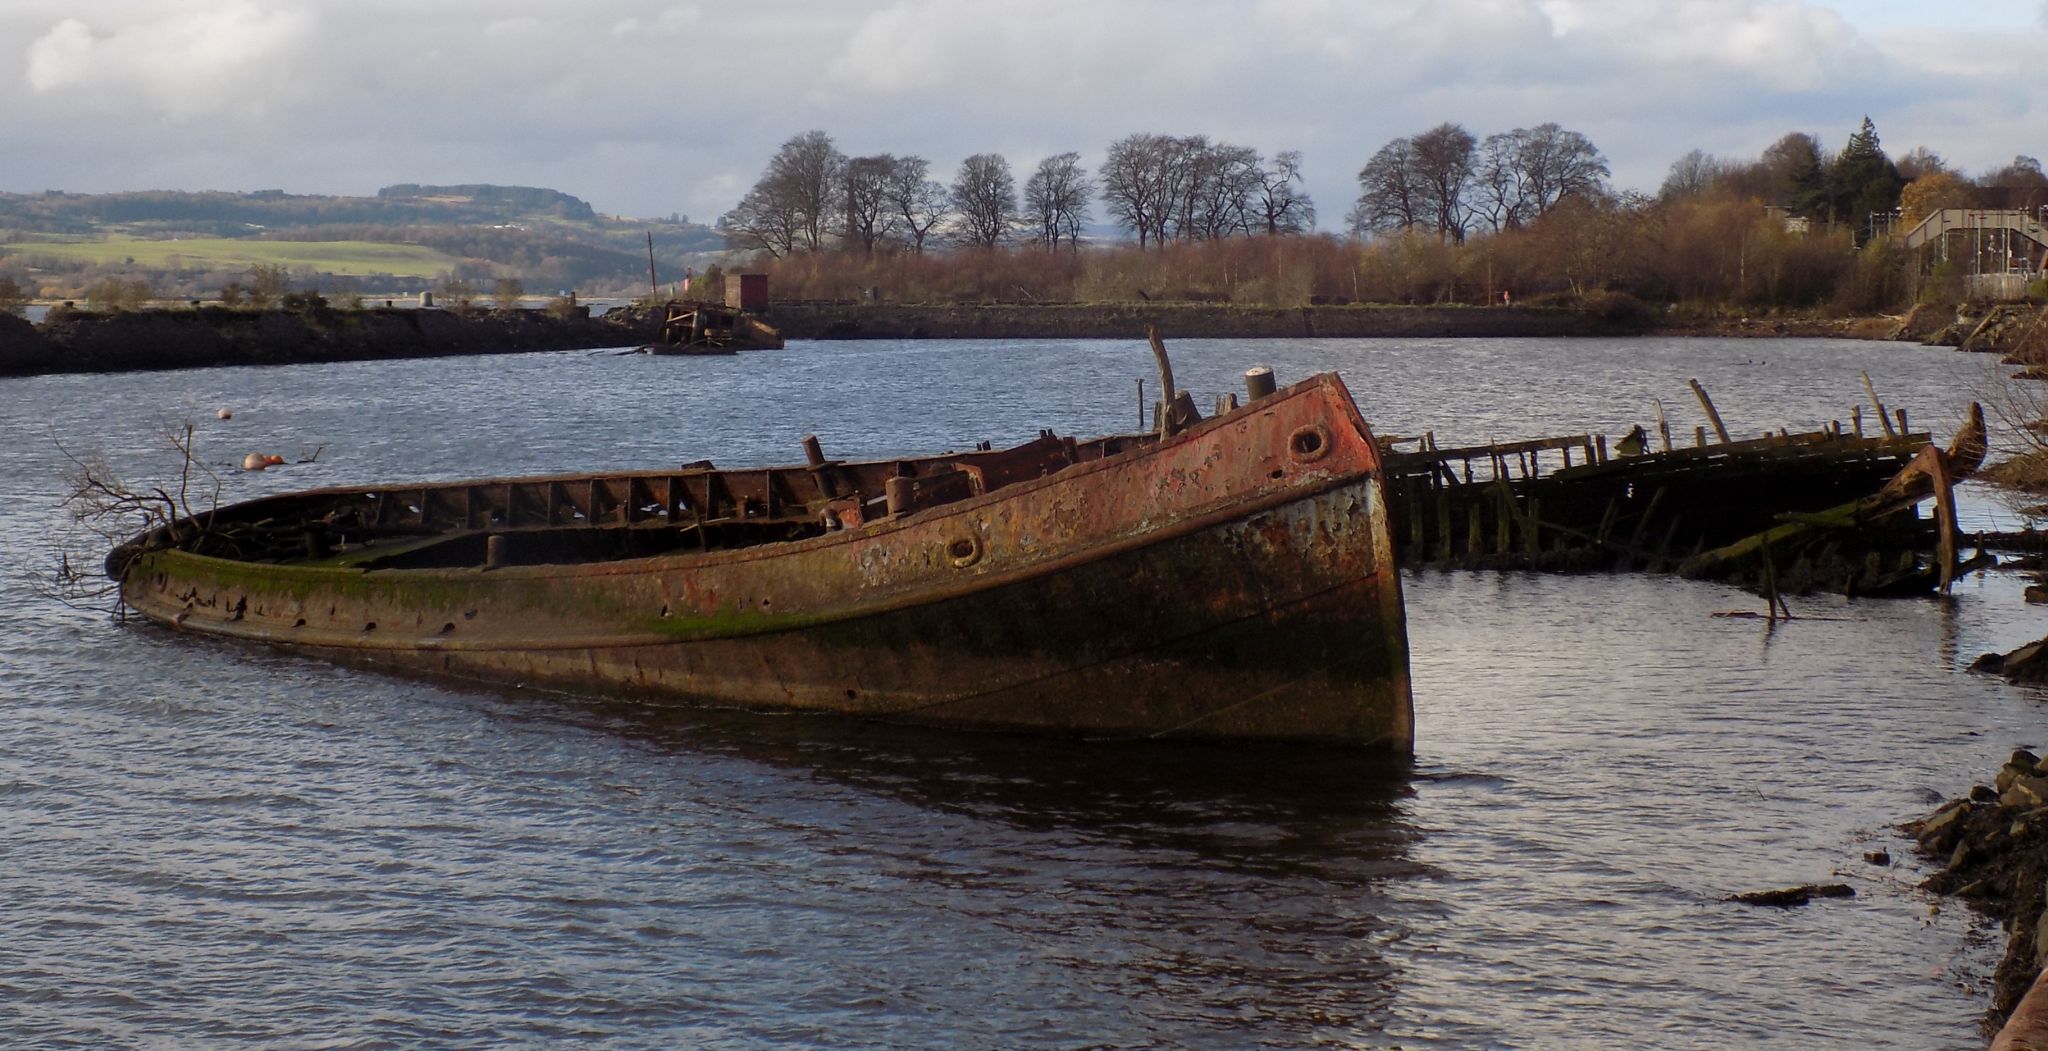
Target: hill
x=405, y=238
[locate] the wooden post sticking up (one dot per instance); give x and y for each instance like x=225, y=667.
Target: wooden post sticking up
x=1856, y=420
x=1141, y=403
x=652, y=285
x=1167, y=394
x=1707, y=403
x=1883, y=417
x=1663, y=427
x=1945, y=517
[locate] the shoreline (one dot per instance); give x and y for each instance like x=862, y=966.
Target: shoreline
x=85, y=342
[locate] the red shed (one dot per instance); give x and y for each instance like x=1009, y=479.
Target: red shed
x=747, y=292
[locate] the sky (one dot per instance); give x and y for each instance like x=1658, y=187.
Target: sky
x=653, y=107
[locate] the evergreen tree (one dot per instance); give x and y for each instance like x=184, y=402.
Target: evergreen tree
x=1862, y=180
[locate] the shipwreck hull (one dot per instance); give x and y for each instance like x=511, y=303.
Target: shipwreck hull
x=1236, y=581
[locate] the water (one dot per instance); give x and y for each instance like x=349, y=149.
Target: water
x=209, y=844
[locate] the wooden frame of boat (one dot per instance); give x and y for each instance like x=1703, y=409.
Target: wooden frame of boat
x=1235, y=580
x=712, y=328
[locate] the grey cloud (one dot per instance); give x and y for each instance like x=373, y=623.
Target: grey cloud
x=652, y=107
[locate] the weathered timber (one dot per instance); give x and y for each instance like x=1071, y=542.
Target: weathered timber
x=1800, y=535
x=1560, y=503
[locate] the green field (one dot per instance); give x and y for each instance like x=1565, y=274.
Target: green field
x=349, y=258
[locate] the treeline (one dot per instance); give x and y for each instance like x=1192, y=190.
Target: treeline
x=1161, y=188
x=1858, y=187
x=1443, y=216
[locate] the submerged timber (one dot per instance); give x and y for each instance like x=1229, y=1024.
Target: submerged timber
x=1823, y=510
x=1232, y=578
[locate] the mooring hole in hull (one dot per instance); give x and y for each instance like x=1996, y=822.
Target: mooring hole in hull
x=579, y=546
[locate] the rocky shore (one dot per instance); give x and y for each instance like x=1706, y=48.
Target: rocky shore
x=82, y=341
x=1992, y=846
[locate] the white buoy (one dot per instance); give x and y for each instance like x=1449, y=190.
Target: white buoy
x=255, y=462
x=224, y=414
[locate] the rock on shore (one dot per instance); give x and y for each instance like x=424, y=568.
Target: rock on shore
x=1993, y=849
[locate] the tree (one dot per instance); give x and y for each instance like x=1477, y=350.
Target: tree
x=1920, y=162
x=1134, y=189
x=1931, y=193
x=267, y=285
x=795, y=204
x=869, y=218
x=1794, y=174
x=921, y=203
x=13, y=297
x=985, y=196
x=1389, y=197
x=508, y=293
x=1283, y=207
x=1056, y=200
x=1443, y=158
x=2017, y=185
x=1554, y=164
x=1862, y=181
x=1692, y=175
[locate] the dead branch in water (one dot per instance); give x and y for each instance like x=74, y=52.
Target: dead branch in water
x=107, y=512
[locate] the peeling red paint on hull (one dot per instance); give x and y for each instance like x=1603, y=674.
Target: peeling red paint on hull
x=1235, y=581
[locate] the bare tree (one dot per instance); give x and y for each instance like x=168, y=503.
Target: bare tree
x=985, y=196
x=1134, y=184
x=1443, y=158
x=1519, y=175
x=1390, y=196
x=1692, y=175
x=869, y=217
x=795, y=204
x=1283, y=207
x=920, y=202
x=1056, y=200
x=1557, y=163
x=1499, y=193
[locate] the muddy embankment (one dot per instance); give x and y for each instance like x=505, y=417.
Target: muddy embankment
x=81, y=341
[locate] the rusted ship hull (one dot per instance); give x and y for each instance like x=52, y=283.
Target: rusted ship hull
x=1235, y=581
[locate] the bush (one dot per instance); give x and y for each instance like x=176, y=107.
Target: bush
x=113, y=294
x=1618, y=307
x=1943, y=286
x=13, y=297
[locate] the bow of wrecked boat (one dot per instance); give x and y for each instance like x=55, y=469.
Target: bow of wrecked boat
x=1231, y=578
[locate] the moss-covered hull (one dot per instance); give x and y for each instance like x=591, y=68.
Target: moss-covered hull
x=1235, y=581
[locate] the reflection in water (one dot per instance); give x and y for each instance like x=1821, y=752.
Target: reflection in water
x=221, y=845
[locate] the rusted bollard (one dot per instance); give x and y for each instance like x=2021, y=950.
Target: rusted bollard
x=897, y=492
x=494, y=551
x=1258, y=383
x=814, y=454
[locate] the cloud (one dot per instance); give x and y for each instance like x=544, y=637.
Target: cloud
x=183, y=64
x=654, y=106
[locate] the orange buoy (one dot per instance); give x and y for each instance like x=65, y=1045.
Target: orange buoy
x=273, y=460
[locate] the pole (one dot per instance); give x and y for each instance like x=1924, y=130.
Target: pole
x=653, y=286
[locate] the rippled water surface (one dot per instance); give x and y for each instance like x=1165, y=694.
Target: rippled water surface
x=205, y=844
